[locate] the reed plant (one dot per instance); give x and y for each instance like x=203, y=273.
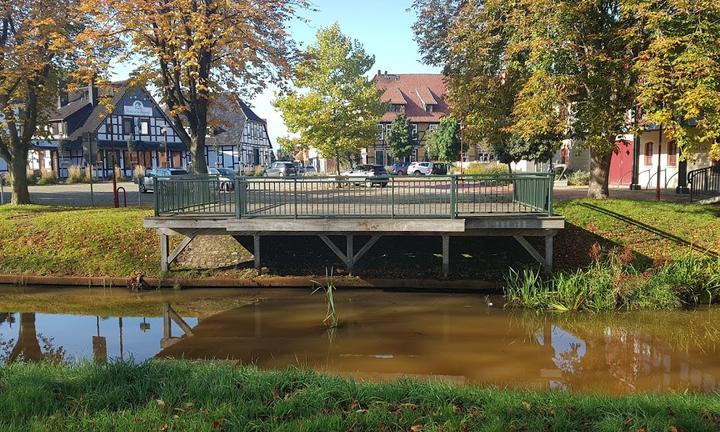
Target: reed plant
x=614, y=282
x=328, y=287
x=47, y=177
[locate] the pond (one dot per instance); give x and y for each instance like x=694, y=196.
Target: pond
x=457, y=338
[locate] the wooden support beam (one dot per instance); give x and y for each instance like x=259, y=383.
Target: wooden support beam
x=256, y=250
x=179, y=248
x=446, y=255
x=333, y=247
x=532, y=251
x=548, y=253
x=366, y=247
x=164, y=247
x=350, y=254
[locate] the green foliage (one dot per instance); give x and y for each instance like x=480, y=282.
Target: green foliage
x=444, y=143
x=615, y=283
x=335, y=108
x=399, y=139
x=182, y=395
x=578, y=178
x=525, y=74
x=679, y=69
x=284, y=152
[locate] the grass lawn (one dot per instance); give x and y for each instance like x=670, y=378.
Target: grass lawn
x=653, y=230
x=41, y=240
x=170, y=396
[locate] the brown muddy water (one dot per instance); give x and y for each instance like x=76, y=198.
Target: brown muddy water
x=457, y=338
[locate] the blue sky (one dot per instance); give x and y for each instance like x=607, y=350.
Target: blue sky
x=383, y=27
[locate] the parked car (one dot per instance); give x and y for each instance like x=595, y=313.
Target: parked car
x=226, y=176
x=400, y=168
x=310, y=170
x=147, y=184
x=427, y=168
x=369, y=174
x=419, y=168
x=281, y=169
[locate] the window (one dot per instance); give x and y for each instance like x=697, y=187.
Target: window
x=145, y=127
x=429, y=108
x=414, y=131
x=128, y=126
x=380, y=157
x=381, y=132
x=648, y=153
x=672, y=153
x=432, y=127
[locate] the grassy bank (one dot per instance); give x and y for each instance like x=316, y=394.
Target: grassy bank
x=205, y=396
x=41, y=240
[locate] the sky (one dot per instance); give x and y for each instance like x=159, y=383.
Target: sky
x=384, y=27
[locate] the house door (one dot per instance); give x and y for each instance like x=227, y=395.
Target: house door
x=621, y=165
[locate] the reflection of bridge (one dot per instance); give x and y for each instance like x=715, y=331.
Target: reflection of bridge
x=512, y=205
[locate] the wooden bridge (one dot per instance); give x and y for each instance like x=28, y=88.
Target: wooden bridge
x=513, y=205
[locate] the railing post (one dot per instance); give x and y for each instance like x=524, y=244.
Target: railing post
x=392, y=197
x=156, y=197
x=238, y=199
x=295, y=197
x=453, y=196
x=551, y=183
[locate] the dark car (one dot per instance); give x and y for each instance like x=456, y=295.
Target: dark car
x=439, y=168
x=147, y=183
x=226, y=176
x=400, y=168
x=281, y=169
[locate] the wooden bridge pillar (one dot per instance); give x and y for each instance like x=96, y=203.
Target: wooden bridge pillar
x=446, y=255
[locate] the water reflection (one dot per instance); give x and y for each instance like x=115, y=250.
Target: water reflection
x=383, y=335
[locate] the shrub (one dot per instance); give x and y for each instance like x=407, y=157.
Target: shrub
x=47, y=177
x=485, y=168
x=119, y=175
x=75, y=175
x=578, y=178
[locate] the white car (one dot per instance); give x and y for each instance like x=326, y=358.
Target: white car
x=420, y=168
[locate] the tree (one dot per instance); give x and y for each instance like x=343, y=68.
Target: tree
x=38, y=41
x=679, y=70
x=399, y=139
x=552, y=69
x=193, y=50
x=444, y=143
x=334, y=107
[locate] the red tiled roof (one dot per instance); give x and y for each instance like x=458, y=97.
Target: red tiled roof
x=416, y=90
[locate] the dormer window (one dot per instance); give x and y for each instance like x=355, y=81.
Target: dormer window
x=429, y=108
x=397, y=108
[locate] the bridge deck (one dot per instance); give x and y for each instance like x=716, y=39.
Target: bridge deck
x=517, y=205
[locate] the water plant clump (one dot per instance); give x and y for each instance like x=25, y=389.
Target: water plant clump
x=331, y=318
x=613, y=282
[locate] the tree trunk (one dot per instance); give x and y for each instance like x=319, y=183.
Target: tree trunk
x=599, y=174
x=20, y=193
x=197, y=147
x=337, y=163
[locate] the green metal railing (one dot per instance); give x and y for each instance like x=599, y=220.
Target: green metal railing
x=342, y=197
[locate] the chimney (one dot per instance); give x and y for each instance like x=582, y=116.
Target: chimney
x=92, y=92
x=62, y=98
x=379, y=72
x=386, y=73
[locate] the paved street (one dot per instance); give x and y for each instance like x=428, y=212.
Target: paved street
x=79, y=195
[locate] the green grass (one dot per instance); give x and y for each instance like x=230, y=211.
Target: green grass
x=170, y=396
x=652, y=230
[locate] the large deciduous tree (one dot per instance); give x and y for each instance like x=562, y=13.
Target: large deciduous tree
x=534, y=71
x=195, y=49
x=400, y=138
x=333, y=107
x=37, y=44
x=679, y=70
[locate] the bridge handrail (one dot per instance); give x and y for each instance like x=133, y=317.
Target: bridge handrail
x=437, y=196
x=704, y=181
